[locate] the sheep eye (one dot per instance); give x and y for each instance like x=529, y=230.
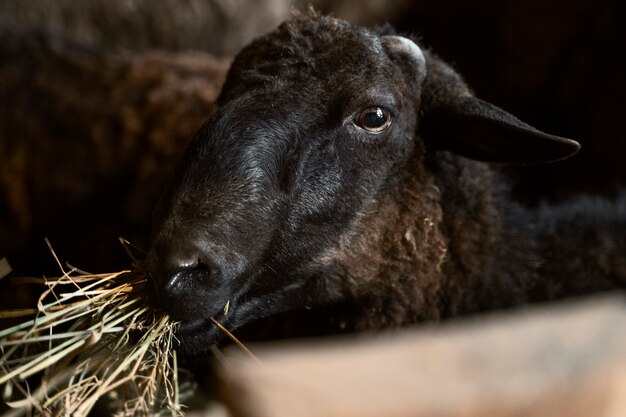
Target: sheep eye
x=374, y=119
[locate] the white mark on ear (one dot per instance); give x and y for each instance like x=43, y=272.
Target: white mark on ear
x=408, y=48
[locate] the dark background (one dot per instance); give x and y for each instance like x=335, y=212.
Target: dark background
x=92, y=118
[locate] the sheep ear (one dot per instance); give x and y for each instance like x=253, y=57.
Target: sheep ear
x=479, y=130
x=408, y=51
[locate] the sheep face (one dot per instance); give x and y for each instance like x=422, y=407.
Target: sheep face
x=309, y=130
x=316, y=128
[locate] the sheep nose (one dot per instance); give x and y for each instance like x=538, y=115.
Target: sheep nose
x=178, y=276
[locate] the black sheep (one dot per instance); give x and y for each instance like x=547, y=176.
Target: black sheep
x=88, y=140
x=342, y=184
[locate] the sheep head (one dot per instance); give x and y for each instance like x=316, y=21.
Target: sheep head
x=321, y=131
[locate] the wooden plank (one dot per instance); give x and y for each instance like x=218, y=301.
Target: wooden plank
x=564, y=360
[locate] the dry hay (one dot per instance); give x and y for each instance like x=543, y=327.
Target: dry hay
x=91, y=338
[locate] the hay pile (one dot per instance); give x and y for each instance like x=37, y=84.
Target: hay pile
x=91, y=338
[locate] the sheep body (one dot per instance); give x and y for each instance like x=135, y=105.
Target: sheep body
x=87, y=141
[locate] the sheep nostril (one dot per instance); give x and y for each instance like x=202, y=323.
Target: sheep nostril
x=177, y=272
x=187, y=279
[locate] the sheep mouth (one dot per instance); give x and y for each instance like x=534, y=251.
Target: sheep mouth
x=198, y=336
x=245, y=309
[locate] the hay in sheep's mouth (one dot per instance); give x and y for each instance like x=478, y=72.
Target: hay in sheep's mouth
x=91, y=337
